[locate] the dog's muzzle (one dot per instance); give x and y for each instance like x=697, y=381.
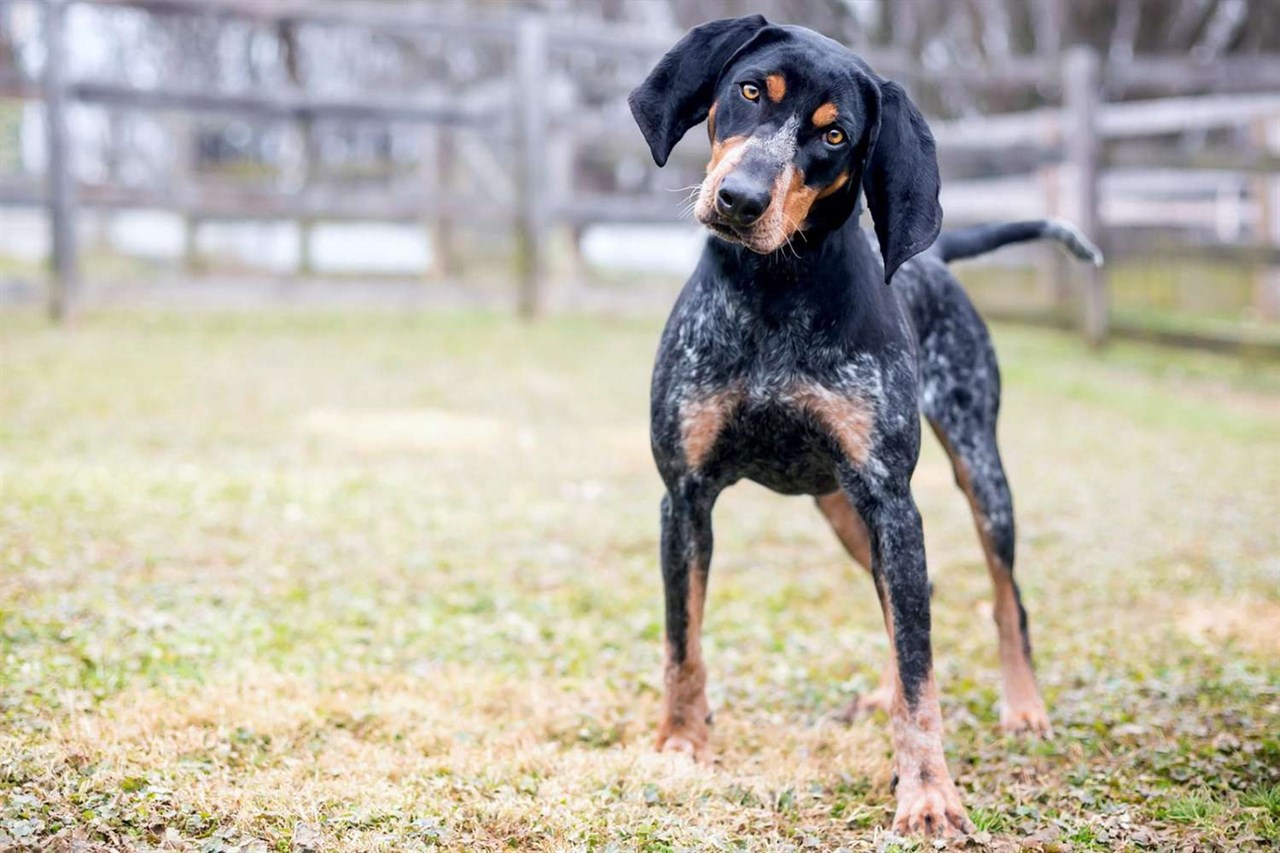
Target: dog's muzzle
x=741, y=200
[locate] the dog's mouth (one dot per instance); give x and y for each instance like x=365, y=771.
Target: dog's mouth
x=724, y=229
x=749, y=237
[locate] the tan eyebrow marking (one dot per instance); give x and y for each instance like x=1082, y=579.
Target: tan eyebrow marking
x=825, y=114
x=777, y=87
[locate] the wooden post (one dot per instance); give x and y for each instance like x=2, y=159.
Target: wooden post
x=445, y=245
x=1266, y=187
x=436, y=171
x=64, y=282
x=1082, y=87
x=531, y=131
x=287, y=38
x=191, y=259
x=184, y=176
x=306, y=224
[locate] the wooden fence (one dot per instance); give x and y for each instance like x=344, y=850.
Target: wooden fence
x=1072, y=147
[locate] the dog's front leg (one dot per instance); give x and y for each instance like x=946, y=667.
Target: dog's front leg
x=927, y=798
x=686, y=560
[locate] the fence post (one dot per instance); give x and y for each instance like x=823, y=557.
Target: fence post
x=531, y=128
x=183, y=178
x=64, y=281
x=1082, y=87
x=1266, y=186
x=310, y=168
x=436, y=173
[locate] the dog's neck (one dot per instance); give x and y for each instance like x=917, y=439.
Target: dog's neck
x=832, y=284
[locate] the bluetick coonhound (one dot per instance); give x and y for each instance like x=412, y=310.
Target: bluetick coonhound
x=787, y=361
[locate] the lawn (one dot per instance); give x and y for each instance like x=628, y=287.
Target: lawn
x=317, y=582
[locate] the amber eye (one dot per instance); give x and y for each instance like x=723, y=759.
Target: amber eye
x=750, y=91
x=835, y=136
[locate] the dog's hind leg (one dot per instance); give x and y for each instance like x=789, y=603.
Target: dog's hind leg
x=960, y=396
x=851, y=530
x=962, y=407
x=979, y=473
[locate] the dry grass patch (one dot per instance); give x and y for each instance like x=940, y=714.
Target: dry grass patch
x=479, y=764
x=295, y=582
x=1244, y=623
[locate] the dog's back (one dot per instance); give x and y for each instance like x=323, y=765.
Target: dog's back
x=958, y=368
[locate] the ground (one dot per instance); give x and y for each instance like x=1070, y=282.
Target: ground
x=374, y=582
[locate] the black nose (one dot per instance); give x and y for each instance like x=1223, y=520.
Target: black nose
x=741, y=200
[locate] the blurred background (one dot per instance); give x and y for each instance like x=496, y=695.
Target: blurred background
x=328, y=519
x=249, y=152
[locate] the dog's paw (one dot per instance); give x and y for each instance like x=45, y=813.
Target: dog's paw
x=686, y=743
x=932, y=809
x=1028, y=718
x=880, y=699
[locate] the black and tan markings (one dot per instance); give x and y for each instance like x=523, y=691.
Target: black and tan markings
x=796, y=151
x=702, y=420
x=825, y=115
x=776, y=86
x=787, y=361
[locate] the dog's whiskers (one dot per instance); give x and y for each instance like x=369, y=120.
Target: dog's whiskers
x=793, y=228
x=691, y=200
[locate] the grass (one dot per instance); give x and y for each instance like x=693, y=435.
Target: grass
x=1190, y=296
x=308, y=582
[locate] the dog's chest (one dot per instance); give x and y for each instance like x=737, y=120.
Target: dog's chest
x=786, y=423
x=786, y=399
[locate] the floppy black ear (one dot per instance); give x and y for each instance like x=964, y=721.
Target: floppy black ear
x=901, y=180
x=677, y=93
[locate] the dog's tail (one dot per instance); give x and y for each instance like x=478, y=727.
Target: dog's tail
x=980, y=239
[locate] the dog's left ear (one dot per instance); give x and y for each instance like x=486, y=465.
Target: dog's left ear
x=901, y=179
x=677, y=93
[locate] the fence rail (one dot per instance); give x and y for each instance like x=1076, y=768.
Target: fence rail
x=1083, y=139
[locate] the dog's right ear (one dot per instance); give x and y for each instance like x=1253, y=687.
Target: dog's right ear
x=677, y=93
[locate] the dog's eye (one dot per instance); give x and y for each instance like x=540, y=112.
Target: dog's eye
x=750, y=91
x=834, y=136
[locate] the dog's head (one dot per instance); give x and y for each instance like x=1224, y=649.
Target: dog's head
x=798, y=126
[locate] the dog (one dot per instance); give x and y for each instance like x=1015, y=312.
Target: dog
x=788, y=361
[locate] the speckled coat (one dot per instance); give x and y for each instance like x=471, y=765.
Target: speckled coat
x=790, y=360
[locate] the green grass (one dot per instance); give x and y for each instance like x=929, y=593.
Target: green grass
x=1197, y=297
x=374, y=582
x=1197, y=809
